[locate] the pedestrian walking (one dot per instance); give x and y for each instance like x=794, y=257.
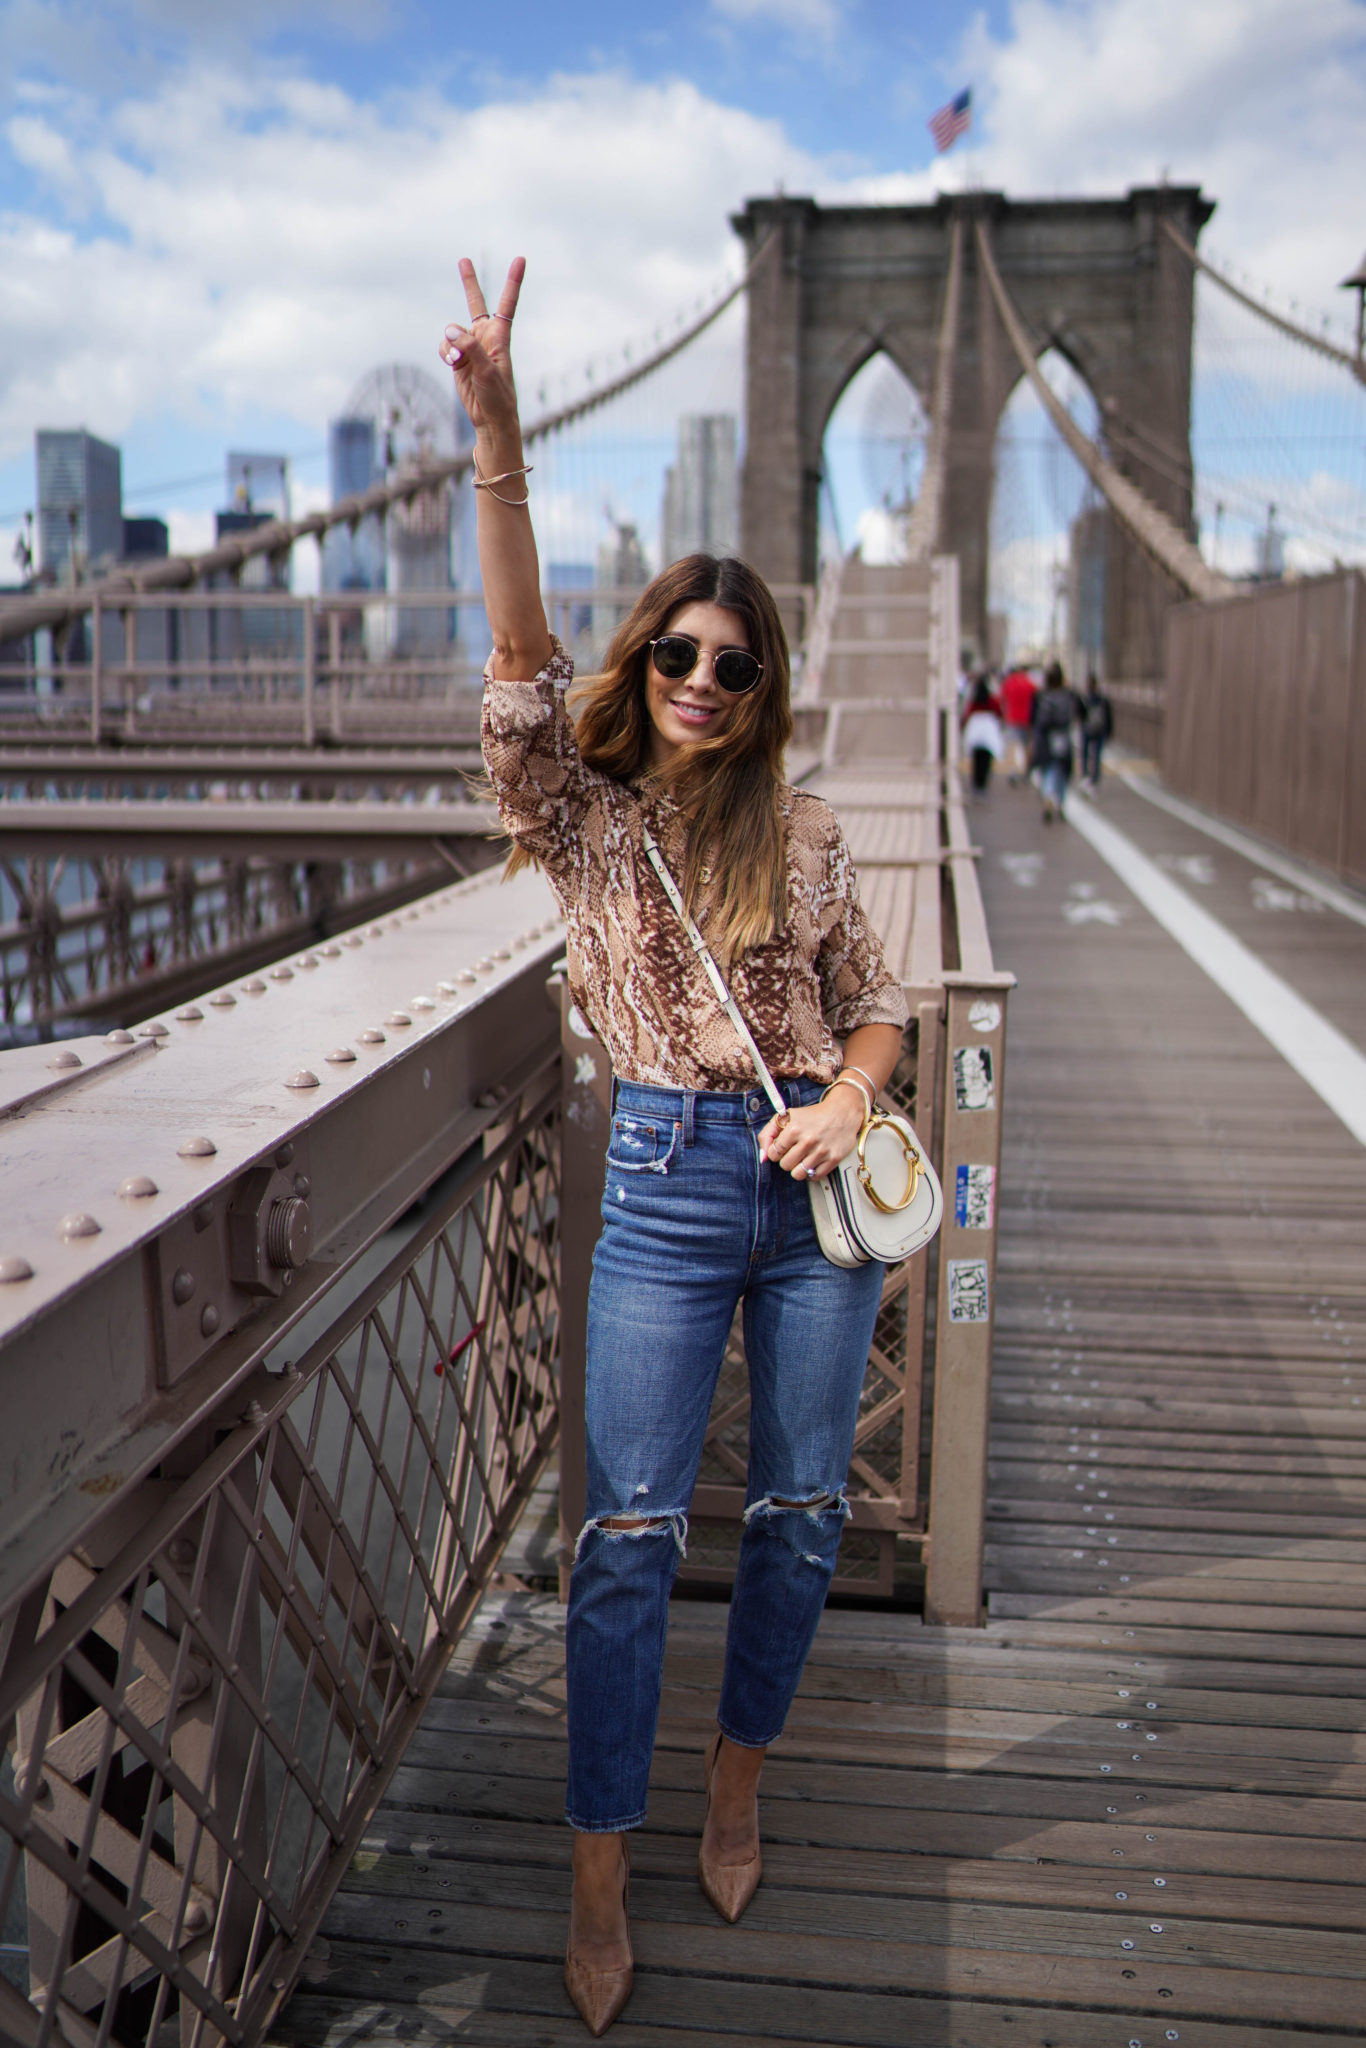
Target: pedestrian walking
x=1018, y=693
x=1055, y=715
x=1097, y=726
x=680, y=741
x=982, y=733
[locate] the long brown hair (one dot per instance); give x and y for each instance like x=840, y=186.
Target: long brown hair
x=728, y=786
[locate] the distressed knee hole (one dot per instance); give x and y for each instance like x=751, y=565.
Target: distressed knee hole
x=804, y=1519
x=628, y=1527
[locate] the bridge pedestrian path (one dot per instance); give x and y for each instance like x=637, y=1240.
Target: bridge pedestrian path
x=1127, y=1810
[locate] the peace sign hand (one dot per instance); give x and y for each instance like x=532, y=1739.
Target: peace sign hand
x=481, y=354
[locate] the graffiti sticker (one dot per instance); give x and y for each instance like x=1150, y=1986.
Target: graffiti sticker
x=974, y=1085
x=974, y=1198
x=967, y=1290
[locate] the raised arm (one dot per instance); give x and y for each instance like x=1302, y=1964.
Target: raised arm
x=481, y=357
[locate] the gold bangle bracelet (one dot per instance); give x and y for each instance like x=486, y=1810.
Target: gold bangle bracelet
x=850, y=1082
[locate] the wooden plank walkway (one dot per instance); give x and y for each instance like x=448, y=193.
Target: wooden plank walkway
x=1128, y=1810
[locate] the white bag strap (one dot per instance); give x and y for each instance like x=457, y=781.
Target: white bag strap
x=714, y=976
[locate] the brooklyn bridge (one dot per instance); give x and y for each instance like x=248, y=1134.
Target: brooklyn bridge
x=303, y=1144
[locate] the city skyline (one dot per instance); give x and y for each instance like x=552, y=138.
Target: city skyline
x=210, y=233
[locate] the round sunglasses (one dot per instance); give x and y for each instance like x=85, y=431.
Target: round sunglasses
x=735, y=669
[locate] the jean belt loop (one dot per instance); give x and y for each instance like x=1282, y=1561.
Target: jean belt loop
x=689, y=1106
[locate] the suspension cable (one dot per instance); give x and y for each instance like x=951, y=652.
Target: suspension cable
x=1318, y=342
x=1159, y=534
x=276, y=537
x=922, y=533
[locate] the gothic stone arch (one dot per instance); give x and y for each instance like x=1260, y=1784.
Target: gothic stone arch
x=1095, y=278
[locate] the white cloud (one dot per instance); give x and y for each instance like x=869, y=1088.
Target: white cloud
x=1262, y=102
x=261, y=245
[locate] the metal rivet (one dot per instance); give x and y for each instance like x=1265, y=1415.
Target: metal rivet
x=197, y=1148
x=307, y=960
x=254, y=986
x=465, y=976
x=62, y=1062
x=118, y=1038
x=284, y=1154
x=422, y=1003
x=483, y=967
x=282, y=974
x=210, y=1319
x=353, y=939
x=398, y=1017
x=196, y=1917
x=374, y=931
x=202, y=1215
x=330, y=952
x=445, y=988
x=411, y=916
x=223, y=1001
x=155, y=1030
x=191, y=1014
x=340, y=1056
x=303, y=1079
x=501, y=953
x=370, y=1037
x=78, y=1224
x=137, y=1187
x=13, y=1268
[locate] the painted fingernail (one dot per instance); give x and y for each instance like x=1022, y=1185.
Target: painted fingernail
x=454, y=331
x=455, y=357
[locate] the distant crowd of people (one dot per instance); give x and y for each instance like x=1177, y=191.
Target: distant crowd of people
x=1034, y=720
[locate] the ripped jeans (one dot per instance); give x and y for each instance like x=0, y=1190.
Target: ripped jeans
x=693, y=1223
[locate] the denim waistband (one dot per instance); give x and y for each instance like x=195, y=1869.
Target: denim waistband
x=690, y=1106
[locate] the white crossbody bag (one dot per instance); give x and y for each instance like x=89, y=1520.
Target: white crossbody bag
x=883, y=1200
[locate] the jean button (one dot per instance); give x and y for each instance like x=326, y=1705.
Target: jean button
x=753, y=1105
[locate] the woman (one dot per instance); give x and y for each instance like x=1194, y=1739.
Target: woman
x=705, y=1200
x=982, y=733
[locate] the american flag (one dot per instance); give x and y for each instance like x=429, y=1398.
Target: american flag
x=952, y=121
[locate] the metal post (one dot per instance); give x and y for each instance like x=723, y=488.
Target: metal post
x=96, y=669
x=974, y=1055
x=334, y=667
x=310, y=669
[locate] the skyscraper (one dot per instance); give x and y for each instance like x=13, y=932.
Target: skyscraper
x=701, y=511
x=258, y=483
x=353, y=560
x=80, y=503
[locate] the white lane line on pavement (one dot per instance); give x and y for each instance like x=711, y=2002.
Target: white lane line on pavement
x=1292, y=871
x=1316, y=1049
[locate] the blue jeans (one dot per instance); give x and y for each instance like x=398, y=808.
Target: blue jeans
x=693, y=1223
x=1054, y=778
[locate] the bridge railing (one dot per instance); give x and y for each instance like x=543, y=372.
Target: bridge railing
x=374, y=667
x=268, y=1427
x=1264, y=714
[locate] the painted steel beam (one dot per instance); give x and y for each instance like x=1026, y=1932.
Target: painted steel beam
x=278, y=831
x=172, y=1201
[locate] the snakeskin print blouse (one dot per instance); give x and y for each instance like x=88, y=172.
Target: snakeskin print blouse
x=632, y=971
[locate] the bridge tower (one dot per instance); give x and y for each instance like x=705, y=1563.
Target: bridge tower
x=1095, y=278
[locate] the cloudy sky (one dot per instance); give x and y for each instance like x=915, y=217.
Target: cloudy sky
x=207, y=235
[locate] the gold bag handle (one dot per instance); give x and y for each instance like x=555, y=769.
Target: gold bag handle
x=915, y=1164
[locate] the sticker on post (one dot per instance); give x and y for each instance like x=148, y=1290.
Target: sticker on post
x=974, y=1086
x=967, y=1290
x=579, y=1024
x=974, y=1197
x=984, y=1016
